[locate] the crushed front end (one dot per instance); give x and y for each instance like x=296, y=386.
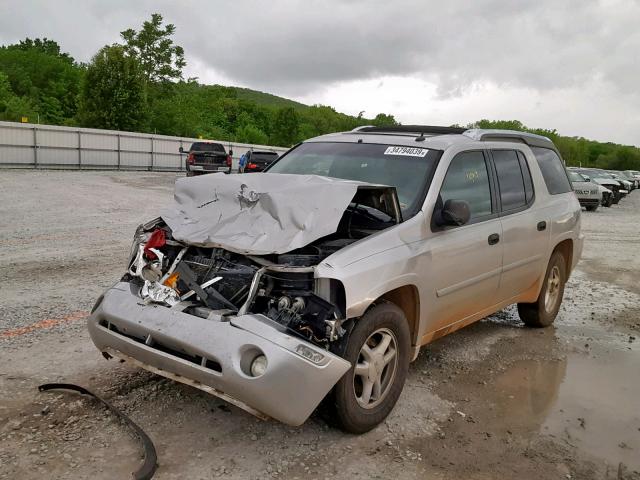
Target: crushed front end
x=249, y=330
x=257, y=329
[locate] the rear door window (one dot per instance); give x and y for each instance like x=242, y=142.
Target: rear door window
x=510, y=179
x=553, y=171
x=467, y=179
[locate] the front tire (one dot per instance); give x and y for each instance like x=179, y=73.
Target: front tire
x=592, y=208
x=378, y=350
x=544, y=310
x=616, y=196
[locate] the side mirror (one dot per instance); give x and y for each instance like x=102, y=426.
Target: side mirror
x=181, y=150
x=455, y=213
x=588, y=179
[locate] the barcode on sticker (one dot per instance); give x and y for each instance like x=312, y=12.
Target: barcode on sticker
x=406, y=151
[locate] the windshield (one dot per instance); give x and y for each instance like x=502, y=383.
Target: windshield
x=406, y=168
x=576, y=177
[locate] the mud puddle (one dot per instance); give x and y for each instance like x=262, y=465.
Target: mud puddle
x=589, y=402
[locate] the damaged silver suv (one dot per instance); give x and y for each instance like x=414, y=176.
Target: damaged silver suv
x=323, y=277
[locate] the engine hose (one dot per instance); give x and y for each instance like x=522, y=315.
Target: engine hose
x=150, y=461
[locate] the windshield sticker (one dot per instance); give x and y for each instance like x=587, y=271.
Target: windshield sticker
x=406, y=151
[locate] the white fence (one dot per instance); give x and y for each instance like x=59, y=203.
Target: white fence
x=27, y=145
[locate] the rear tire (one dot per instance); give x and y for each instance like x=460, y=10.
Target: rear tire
x=378, y=350
x=544, y=310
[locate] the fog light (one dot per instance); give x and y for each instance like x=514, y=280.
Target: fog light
x=259, y=366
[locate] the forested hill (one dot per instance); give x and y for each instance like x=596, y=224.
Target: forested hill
x=118, y=90
x=267, y=99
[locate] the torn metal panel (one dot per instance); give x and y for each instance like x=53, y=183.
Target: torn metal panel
x=260, y=213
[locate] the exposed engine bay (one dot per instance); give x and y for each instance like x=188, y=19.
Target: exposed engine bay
x=213, y=282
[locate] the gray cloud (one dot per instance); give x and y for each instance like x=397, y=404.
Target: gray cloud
x=299, y=47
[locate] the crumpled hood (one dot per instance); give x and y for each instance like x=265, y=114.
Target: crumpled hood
x=605, y=181
x=257, y=213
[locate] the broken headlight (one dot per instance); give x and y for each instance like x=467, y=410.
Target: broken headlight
x=139, y=238
x=143, y=234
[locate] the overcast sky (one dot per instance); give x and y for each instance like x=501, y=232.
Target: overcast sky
x=569, y=65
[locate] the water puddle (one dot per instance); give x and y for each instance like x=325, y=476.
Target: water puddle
x=587, y=401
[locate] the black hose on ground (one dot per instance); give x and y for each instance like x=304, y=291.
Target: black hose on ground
x=150, y=462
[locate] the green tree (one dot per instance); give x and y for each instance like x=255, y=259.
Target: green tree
x=113, y=92
x=285, y=126
x=160, y=59
x=44, y=77
x=13, y=107
x=5, y=91
x=251, y=134
x=384, y=120
x=44, y=45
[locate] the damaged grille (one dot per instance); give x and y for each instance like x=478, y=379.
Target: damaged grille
x=201, y=361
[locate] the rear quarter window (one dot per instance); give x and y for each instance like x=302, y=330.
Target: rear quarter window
x=553, y=171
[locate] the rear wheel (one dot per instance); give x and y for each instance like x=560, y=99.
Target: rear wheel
x=544, y=310
x=378, y=349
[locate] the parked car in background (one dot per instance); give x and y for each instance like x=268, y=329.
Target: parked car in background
x=207, y=157
x=258, y=160
x=630, y=177
x=325, y=274
x=588, y=193
x=635, y=174
x=603, y=178
x=627, y=184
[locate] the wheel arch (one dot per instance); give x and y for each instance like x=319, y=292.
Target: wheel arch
x=566, y=248
x=407, y=298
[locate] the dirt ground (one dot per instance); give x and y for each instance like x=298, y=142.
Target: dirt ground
x=493, y=401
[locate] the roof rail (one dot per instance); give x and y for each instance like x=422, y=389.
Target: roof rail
x=509, y=135
x=410, y=129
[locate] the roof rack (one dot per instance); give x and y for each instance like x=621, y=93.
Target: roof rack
x=410, y=129
x=478, y=134
x=509, y=135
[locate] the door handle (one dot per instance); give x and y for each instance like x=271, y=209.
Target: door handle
x=493, y=238
x=541, y=226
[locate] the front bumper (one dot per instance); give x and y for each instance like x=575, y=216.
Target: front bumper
x=589, y=202
x=215, y=354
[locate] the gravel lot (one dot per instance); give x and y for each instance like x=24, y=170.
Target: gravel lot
x=495, y=400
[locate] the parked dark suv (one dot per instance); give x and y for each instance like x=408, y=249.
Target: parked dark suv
x=207, y=157
x=257, y=161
